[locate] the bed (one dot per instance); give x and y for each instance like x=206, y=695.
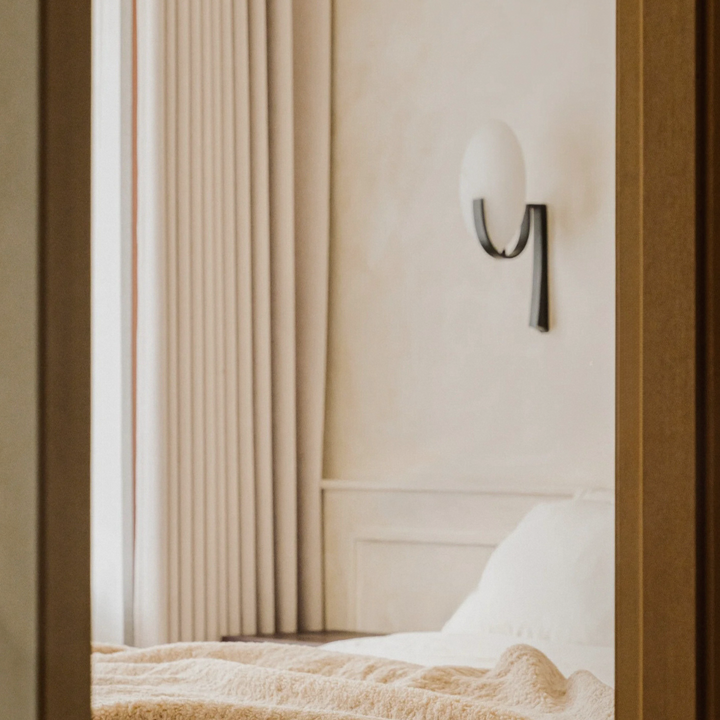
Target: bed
x=533, y=640
x=253, y=681
x=478, y=650
x=549, y=584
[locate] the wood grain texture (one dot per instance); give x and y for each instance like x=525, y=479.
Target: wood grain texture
x=708, y=349
x=64, y=552
x=656, y=368
x=19, y=197
x=669, y=500
x=628, y=375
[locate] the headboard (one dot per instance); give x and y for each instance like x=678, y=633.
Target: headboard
x=402, y=556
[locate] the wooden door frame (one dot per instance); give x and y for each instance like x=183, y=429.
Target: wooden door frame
x=709, y=359
x=64, y=361
x=668, y=323
x=668, y=326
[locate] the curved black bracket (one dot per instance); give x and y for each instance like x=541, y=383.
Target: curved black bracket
x=539, y=308
x=484, y=238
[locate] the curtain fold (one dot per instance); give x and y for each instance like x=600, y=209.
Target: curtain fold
x=312, y=32
x=244, y=127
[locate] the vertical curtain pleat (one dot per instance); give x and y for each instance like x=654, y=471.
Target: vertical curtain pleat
x=232, y=237
x=211, y=376
x=282, y=283
x=171, y=273
x=311, y=106
x=243, y=178
x=245, y=207
x=262, y=370
x=185, y=338
x=197, y=256
x=219, y=526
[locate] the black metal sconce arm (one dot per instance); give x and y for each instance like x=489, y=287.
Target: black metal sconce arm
x=539, y=308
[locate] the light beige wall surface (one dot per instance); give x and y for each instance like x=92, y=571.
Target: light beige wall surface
x=433, y=370
x=18, y=356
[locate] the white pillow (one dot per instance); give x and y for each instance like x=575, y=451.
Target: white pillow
x=552, y=578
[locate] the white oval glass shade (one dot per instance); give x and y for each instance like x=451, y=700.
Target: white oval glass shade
x=493, y=169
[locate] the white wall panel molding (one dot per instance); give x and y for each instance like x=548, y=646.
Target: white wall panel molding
x=402, y=557
x=445, y=486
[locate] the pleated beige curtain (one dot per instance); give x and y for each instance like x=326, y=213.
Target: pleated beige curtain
x=232, y=315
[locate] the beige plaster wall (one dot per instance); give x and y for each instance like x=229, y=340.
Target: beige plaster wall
x=18, y=356
x=433, y=370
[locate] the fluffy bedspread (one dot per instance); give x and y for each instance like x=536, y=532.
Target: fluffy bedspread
x=254, y=681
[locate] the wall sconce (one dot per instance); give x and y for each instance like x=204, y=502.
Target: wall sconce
x=492, y=196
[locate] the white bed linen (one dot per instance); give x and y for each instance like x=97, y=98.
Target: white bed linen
x=478, y=650
x=551, y=579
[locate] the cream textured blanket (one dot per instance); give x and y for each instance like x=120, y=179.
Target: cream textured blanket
x=254, y=681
